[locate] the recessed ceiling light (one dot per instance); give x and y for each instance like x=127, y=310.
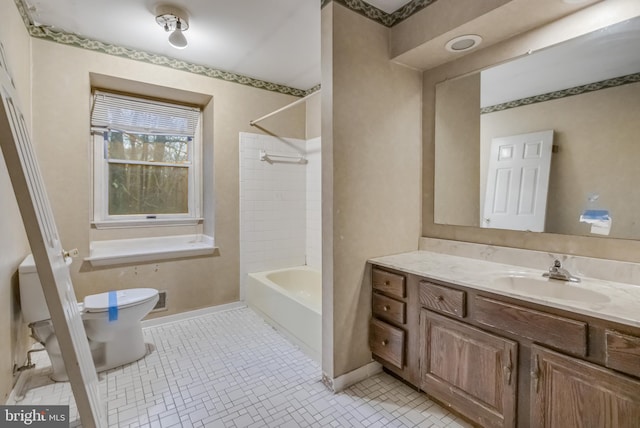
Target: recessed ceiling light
x=463, y=43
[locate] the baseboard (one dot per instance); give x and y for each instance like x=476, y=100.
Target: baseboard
x=346, y=380
x=19, y=389
x=191, y=314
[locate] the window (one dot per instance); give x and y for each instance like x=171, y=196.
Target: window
x=147, y=161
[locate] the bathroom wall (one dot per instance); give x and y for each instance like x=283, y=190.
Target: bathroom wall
x=314, y=182
x=314, y=204
x=598, y=152
x=371, y=144
x=589, y=19
x=314, y=124
x=272, y=205
x=14, y=340
x=61, y=80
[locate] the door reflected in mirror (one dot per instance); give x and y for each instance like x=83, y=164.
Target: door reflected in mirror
x=584, y=92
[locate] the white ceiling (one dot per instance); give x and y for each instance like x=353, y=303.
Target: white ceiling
x=273, y=40
x=604, y=54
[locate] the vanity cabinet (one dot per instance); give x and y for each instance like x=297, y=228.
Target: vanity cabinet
x=387, y=329
x=469, y=369
x=501, y=361
x=568, y=392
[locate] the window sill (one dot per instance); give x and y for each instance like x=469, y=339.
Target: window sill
x=127, y=251
x=124, y=224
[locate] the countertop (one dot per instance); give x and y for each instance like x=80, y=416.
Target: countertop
x=624, y=299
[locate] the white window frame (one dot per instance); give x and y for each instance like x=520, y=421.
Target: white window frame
x=101, y=217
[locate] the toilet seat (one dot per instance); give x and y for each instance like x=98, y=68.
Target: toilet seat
x=124, y=299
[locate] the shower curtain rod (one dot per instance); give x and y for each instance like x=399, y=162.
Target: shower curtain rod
x=288, y=106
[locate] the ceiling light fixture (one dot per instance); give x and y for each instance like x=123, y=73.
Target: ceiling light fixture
x=174, y=20
x=463, y=43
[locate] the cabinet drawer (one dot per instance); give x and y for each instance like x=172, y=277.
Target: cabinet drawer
x=442, y=299
x=388, y=283
x=388, y=309
x=623, y=352
x=558, y=332
x=387, y=342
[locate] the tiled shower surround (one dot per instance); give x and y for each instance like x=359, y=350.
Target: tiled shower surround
x=230, y=369
x=280, y=223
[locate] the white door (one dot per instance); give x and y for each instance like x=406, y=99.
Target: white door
x=518, y=181
x=48, y=253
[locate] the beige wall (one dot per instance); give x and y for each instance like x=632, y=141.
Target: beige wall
x=313, y=117
x=326, y=151
x=13, y=332
x=597, y=136
x=458, y=168
x=61, y=103
x=371, y=140
x=589, y=19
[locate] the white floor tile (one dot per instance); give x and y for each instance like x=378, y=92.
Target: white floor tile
x=231, y=369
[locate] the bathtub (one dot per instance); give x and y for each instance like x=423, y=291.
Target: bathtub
x=291, y=301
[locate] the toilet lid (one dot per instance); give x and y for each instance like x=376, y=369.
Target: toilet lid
x=124, y=298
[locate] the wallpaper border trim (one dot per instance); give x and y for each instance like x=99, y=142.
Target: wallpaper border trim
x=576, y=90
x=380, y=16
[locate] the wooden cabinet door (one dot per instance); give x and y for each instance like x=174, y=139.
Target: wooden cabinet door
x=567, y=393
x=469, y=369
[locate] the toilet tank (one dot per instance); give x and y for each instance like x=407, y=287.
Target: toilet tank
x=32, y=302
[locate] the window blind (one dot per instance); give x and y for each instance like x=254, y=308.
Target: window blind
x=125, y=113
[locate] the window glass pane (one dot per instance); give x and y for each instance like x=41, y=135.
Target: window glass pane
x=145, y=189
x=148, y=148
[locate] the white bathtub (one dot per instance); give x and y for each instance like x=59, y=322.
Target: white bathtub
x=291, y=301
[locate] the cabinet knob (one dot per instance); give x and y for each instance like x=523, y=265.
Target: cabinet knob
x=387, y=283
x=385, y=342
x=439, y=298
x=386, y=308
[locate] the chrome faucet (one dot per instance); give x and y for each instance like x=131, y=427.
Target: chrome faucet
x=558, y=272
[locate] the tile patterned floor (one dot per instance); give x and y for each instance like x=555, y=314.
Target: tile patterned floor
x=231, y=369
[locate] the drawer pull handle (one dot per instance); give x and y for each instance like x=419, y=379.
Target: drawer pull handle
x=386, y=308
x=439, y=298
x=385, y=342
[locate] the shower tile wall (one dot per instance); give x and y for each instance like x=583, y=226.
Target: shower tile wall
x=272, y=206
x=314, y=205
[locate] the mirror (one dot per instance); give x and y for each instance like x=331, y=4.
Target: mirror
x=547, y=142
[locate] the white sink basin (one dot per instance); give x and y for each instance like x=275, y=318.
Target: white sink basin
x=544, y=287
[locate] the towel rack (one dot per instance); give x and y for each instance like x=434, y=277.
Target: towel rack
x=270, y=157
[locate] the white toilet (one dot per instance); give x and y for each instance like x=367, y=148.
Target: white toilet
x=115, y=335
